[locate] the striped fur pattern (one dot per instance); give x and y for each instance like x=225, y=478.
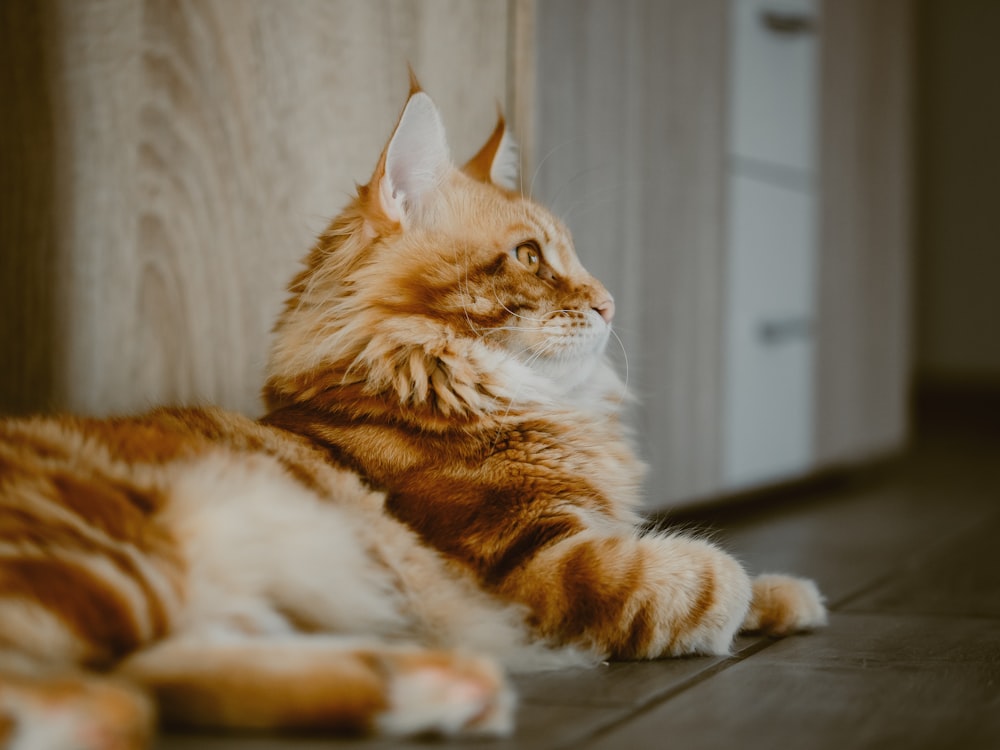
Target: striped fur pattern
x=442, y=487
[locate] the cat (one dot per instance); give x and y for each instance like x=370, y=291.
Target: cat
x=441, y=489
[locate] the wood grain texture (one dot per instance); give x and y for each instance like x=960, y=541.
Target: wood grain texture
x=957, y=575
x=631, y=152
x=863, y=357
x=868, y=681
x=166, y=164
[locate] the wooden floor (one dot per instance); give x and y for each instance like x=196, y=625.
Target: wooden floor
x=909, y=560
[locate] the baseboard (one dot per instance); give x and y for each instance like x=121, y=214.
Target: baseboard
x=805, y=488
x=957, y=401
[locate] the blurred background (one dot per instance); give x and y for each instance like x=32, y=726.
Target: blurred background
x=793, y=201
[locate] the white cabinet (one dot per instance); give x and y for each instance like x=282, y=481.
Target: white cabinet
x=772, y=242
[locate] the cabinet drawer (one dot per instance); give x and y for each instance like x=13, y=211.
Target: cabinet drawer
x=773, y=78
x=770, y=348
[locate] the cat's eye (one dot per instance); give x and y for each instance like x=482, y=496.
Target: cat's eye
x=529, y=256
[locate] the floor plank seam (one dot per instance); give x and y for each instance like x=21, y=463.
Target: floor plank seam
x=939, y=545
x=874, y=585
x=659, y=699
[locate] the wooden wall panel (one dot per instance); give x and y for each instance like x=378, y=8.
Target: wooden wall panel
x=166, y=165
x=864, y=360
x=631, y=152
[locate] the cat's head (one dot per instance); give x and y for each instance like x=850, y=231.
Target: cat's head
x=442, y=287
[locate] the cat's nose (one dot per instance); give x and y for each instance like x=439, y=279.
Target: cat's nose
x=606, y=309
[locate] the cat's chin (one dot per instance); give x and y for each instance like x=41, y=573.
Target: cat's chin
x=566, y=374
x=567, y=371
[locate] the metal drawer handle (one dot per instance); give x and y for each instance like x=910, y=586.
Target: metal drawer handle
x=780, y=330
x=788, y=23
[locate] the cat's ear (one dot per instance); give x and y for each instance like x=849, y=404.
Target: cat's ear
x=414, y=161
x=498, y=160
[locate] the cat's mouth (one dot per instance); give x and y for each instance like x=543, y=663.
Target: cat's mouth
x=561, y=340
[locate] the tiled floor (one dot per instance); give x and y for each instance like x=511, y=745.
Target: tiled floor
x=909, y=559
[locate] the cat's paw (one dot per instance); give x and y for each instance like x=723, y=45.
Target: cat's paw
x=447, y=694
x=77, y=713
x=783, y=605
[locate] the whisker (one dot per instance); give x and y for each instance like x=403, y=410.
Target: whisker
x=465, y=292
x=538, y=167
x=543, y=319
x=580, y=174
x=535, y=353
x=621, y=344
x=504, y=307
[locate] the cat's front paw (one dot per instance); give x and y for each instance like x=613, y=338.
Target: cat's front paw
x=447, y=694
x=783, y=605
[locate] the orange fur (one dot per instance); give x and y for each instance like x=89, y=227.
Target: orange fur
x=443, y=464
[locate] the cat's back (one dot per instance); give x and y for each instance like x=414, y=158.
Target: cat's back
x=67, y=448
x=93, y=470
x=158, y=437
x=120, y=475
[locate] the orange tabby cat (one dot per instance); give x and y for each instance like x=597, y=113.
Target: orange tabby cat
x=441, y=486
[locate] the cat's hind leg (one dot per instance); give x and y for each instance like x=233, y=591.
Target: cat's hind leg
x=323, y=683
x=72, y=711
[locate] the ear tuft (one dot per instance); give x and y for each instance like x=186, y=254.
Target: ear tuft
x=415, y=160
x=414, y=83
x=498, y=160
